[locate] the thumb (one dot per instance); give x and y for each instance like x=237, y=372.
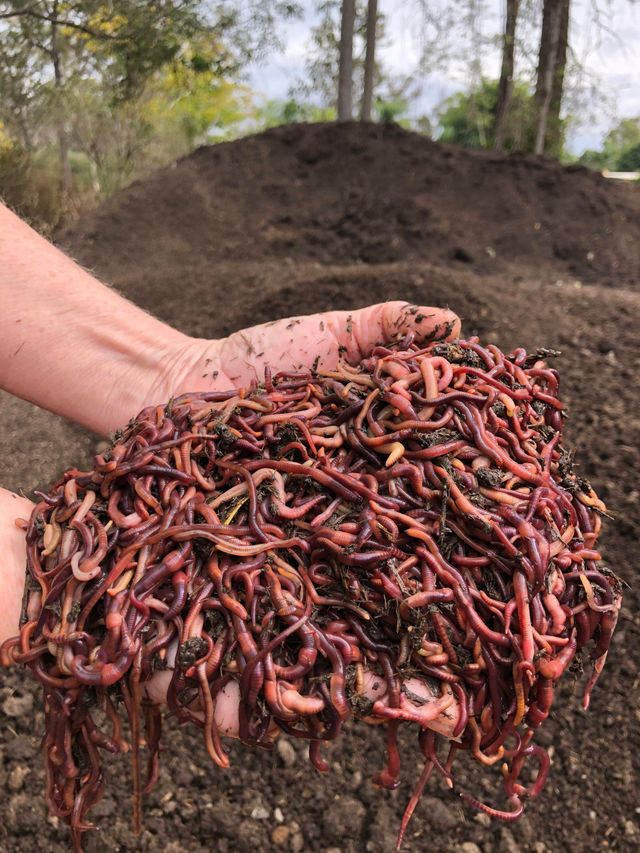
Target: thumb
x=322, y=339
x=357, y=332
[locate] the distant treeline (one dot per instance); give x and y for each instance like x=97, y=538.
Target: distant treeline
x=94, y=94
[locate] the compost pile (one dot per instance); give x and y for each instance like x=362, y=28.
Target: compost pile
x=403, y=540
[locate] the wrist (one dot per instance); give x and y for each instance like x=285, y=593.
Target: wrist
x=185, y=364
x=143, y=373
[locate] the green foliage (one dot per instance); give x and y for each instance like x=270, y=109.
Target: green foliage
x=28, y=185
x=390, y=111
x=630, y=160
x=617, y=149
x=625, y=135
x=593, y=159
x=97, y=92
x=467, y=118
x=292, y=111
x=183, y=105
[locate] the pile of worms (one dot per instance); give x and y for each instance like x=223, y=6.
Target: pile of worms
x=404, y=541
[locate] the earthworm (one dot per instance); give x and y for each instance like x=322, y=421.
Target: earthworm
x=327, y=542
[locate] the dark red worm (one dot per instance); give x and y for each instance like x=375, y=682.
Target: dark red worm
x=327, y=542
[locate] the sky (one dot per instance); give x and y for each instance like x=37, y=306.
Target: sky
x=604, y=87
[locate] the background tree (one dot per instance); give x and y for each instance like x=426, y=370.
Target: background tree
x=345, y=65
x=619, y=148
x=109, y=90
x=552, y=59
x=505, y=84
x=370, y=61
x=630, y=160
x=371, y=84
x=291, y=111
x=468, y=118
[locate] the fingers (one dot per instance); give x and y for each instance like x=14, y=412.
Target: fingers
x=320, y=340
x=357, y=332
x=420, y=703
x=13, y=558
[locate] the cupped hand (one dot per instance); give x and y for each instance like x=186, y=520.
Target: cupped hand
x=317, y=340
x=313, y=340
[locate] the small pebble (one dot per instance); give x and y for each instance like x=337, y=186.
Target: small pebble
x=440, y=815
x=297, y=843
x=17, y=814
x=508, y=844
x=18, y=706
x=259, y=813
x=280, y=835
x=17, y=777
x=483, y=819
x=277, y=813
x=286, y=753
x=469, y=847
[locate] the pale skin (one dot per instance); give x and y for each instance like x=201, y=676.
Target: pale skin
x=72, y=345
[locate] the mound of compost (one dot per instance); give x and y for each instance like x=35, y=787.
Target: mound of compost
x=372, y=194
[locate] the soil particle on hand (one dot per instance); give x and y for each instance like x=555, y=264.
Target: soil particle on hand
x=20, y=812
x=296, y=845
x=508, y=843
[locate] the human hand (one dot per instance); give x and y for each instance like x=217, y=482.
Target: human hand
x=317, y=340
x=13, y=556
x=314, y=340
x=74, y=346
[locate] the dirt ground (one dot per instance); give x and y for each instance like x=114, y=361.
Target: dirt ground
x=310, y=218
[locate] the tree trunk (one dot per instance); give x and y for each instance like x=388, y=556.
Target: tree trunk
x=369, y=61
x=548, y=58
x=61, y=129
x=505, y=86
x=345, y=71
x=25, y=132
x=553, y=141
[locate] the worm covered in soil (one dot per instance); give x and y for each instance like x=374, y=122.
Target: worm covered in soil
x=404, y=541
